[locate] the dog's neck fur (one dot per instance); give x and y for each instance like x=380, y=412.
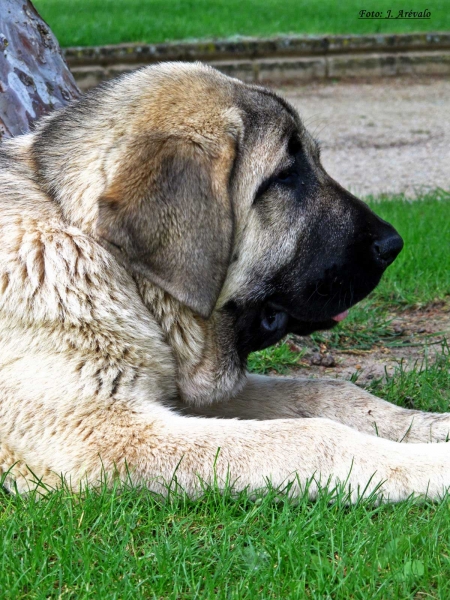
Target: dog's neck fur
x=202, y=378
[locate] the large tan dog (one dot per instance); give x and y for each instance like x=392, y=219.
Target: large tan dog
x=152, y=235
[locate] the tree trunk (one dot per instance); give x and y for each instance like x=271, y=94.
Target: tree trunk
x=34, y=77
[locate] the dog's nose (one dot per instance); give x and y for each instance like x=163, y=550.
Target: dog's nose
x=386, y=249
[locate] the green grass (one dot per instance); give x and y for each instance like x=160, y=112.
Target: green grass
x=421, y=274
x=426, y=387
x=129, y=544
x=276, y=359
x=94, y=22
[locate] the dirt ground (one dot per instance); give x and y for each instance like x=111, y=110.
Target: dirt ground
x=418, y=333
x=380, y=136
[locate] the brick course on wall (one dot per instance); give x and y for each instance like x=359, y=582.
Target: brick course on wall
x=277, y=60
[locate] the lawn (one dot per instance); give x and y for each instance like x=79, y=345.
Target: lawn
x=128, y=544
x=112, y=22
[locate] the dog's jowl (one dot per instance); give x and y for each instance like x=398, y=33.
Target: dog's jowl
x=153, y=234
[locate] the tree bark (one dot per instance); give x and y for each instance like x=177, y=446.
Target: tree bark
x=34, y=77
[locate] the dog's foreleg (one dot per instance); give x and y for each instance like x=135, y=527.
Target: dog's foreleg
x=279, y=398
x=156, y=448
x=308, y=452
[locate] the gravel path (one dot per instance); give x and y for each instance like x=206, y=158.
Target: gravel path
x=385, y=136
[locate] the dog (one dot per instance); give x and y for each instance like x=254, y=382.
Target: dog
x=153, y=234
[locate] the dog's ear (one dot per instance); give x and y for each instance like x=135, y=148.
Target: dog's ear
x=169, y=213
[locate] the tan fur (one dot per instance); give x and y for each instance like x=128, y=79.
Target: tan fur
x=105, y=370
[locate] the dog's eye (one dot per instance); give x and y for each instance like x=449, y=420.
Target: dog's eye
x=286, y=176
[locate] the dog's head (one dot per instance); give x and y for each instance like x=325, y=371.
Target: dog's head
x=213, y=190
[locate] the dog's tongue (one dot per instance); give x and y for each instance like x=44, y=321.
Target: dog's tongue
x=341, y=316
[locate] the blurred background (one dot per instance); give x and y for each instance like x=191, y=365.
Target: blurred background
x=94, y=22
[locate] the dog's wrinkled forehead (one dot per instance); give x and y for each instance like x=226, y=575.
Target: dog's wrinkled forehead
x=268, y=115
x=270, y=126
x=263, y=107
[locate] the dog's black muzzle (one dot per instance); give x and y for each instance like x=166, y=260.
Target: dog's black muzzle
x=342, y=252
x=342, y=276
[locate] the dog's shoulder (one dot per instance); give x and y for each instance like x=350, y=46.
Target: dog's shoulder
x=61, y=291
